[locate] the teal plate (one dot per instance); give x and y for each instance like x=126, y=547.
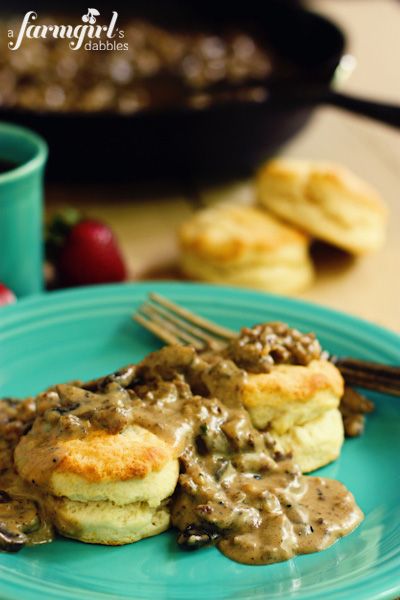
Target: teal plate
x=88, y=332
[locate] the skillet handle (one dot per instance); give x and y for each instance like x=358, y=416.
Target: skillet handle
x=381, y=111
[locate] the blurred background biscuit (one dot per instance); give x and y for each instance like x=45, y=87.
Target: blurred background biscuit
x=243, y=245
x=326, y=200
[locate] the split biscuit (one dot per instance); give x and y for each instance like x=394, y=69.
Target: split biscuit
x=297, y=404
x=326, y=200
x=106, y=488
x=245, y=246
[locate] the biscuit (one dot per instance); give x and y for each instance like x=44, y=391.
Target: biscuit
x=326, y=200
x=297, y=404
x=292, y=395
x=245, y=246
x=106, y=488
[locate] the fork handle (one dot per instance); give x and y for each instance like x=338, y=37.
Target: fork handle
x=381, y=111
x=369, y=375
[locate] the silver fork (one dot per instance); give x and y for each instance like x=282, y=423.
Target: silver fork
x=175, y=324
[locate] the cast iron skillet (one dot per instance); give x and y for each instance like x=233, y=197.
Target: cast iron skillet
x=227, y=140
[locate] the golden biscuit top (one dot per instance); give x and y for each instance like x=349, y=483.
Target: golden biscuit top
x=293, y=383
x=99, y=456
x=311, y=179
x=228, y=232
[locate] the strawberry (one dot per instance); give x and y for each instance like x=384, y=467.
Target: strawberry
x=6, y=295
x=87, y=253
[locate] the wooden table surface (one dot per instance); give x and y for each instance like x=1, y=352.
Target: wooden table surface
x=145, y=220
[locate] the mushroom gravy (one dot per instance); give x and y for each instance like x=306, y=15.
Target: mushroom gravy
x=256, y=349
x=235, y=490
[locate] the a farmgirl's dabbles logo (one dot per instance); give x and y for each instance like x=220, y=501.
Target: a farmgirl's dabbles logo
x=88, y=34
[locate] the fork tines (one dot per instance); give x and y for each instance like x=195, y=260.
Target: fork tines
x=177, y=325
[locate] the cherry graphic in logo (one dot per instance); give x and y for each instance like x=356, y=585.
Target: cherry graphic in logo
x=91, y=16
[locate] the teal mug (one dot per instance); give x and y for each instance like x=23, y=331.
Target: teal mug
x=23, y=156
